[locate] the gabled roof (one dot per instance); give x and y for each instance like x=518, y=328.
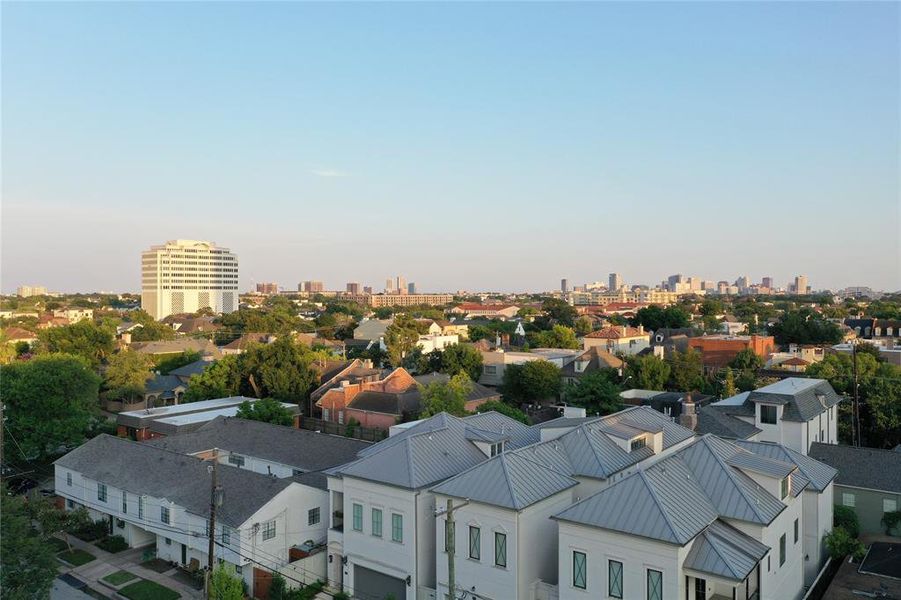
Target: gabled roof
x=803, y=398
x=143, y=469
x=818, y=474
x=17, y=333
x=723, y=551
x=508, y=480
x=163, y=383
x=194, y=368
x=715, y=420
x=758, y=463
x=300, y=449
x=868, y=468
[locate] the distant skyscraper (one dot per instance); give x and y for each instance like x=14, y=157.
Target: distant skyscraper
x=767, y=282
x=367, y=289
x=353, y=288
x=615, y=281
x=267, y=288
x=389, y=286
x=801, y=284
x=312, y=287
x=183, y=276
x=411, y=288
x=743, y=283
x=26, y=291
x=564, y=286
x=673, y=280
x=401, y=285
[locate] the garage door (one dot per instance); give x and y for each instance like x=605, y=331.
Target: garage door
x=372, y=585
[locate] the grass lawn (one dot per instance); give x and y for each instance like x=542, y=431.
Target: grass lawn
x=119, y=577
x=76, y=557
x=148, y=590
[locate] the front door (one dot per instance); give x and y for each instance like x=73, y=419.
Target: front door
x=184, y=554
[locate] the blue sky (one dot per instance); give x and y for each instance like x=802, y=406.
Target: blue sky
x=477, y=146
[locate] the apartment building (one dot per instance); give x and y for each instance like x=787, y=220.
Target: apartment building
x=380, y=300
x=27, y=291
x=474, y=310
x=183, y=276
x=618, y=339
x=717, y=351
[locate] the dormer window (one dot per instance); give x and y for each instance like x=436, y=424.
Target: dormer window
x=768, y=414
x=497, y=448
x=637, y=443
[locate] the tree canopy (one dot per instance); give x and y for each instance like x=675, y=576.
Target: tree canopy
x=266, y=410
x=559, y=336
x=504, y=409
x=126, y=375
x=805, y=326
x=556, y=312
x=686, y=371
x=83, y=338
x=531, y=381
x=49, y=402
x=27, y=564
x=596, y=391
x=647, y=372
x=401, y=337
x=445, y=396
x=655, y=317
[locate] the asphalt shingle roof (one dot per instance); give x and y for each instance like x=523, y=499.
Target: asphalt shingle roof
x=717, y=421
x=861, y=467
x=143, y=469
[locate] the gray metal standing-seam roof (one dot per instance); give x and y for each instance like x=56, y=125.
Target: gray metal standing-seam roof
x=861, y=467
x=802, y=398
x=662, y=502
x=142, y=469
x=508, y=480
x=724, y=551
x=520, y=434
x=564, y=422
x=764, y=465
x=817, y=473
x=734, y=494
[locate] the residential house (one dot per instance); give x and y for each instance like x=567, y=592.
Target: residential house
x=618, y=339
x=436, y=341
x=177, y=346
x=730, y=325
x=672, y=339
x=189, y=324
x=153, y=496
x=795, y=412
x=14, y=335
x=669, y=403
x=474, y=310
x=494, y=363
x=593, y=359
x=247, y=340
x=49, y=321
x=372, y=329
x=870, y=328
x=868, y=481
x=74, y=315
x=717, y=351
x=709, y=520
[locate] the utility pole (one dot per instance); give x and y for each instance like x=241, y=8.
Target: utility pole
x=856, y=421
x=215, y=501
x=450, y=544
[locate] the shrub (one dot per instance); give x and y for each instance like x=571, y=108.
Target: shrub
x=841, y=544
x=891, y=520
x=114, y=543
x=846, y=518
x=92, y=531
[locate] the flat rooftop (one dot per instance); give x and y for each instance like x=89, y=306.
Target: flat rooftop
x=189, y=407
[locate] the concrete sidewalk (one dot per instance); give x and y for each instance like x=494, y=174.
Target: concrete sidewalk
x=128, y=560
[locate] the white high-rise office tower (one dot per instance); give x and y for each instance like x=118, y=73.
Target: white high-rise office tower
x=183, y=276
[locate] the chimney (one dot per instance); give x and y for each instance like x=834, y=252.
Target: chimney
x=689, y=416
x=622, y=328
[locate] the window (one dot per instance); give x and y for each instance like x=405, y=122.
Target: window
x=168, y=542
x=238, y=569
x=268, y=530
x=889, y=505
x=497, y=448
x=377, y=522
x=796, y=531
x=340, y=417
x=767, y=414
x=500, y=549
x=70, y=504
x=489, y=370
x=615, y=579
x=124, y=502
x=313, y=516
x=140, y=507
x=768, y=565
x=700, y=589
x=579, y=578
x=848, y=499
x=475, y=543
x=101, y=492
x=236, y=459
x=783, y=490
x=358, y=517
x=655, y=585
x=782, y=550
x=69, y=479
x=226, y=535
x=164, y=515
x=397, y=528
x=637, y=443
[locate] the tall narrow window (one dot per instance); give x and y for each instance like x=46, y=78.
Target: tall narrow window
x=397, y=528
x=500, y=549
x=226, y=535
x=796, y=531
x=377, y=522
x=700, y=589
x=268, y=530
x=69, y=479
x=101, y=491
x=313, y=516
x=655, y=585
x=784, y=487
x=475, y=543
x=782, y=550
x=164, y=515
x=140, y=507
x=615, y=579
x=579, y=567
x=358, y=517
x=124, y=502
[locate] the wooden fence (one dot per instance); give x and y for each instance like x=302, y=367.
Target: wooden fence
x=352, y=431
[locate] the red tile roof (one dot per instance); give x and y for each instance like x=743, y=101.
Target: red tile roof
x=616, y=332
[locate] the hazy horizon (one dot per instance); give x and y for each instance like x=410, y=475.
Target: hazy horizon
x=464, y=146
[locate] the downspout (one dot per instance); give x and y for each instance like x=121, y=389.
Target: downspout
x=414, y=583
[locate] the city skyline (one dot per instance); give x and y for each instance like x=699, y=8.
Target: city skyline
x=540, y=141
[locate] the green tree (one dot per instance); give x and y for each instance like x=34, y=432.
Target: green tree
x=266, y=410
x=278, y=589
x=27, y=564
x=596, y=392
x=83, y=339
x=557, y=312
x=55, y=521
x=846, y=518
x=711, y=307
x=504, y=409
x=686, y=371
x=727, y=390
x=169, y=363
x=282, y=370
x=531, y=381
x=49, y=402
x=805, y=326
x=582, y=326
x=23, y=348
x=647, y=372
x=400, y=338
x=655, y=317
x=445, y=396
x=746, y=360
x=559, y=336
x=220, y=380
x=882, y=411
x=840, y=544
x=461, y=358
x=126, y=374
x=225, y=584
